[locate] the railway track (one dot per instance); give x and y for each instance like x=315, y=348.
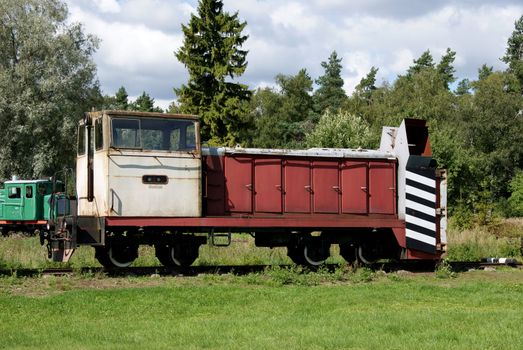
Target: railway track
x=415, y=267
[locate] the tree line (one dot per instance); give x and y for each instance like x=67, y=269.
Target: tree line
x=48, y=78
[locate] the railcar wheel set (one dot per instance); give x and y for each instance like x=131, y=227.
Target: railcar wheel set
x=144, y=178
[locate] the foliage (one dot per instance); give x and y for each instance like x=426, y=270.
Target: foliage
x=367, y=85
x=47, y=81
x=330, y=93
x=212, y=54
x=282, y=117
x=340, y=130
x=516, y=197
x=143, y=103
x=514, y=52
x=484, y=71
x=500, y=240
x=446, y=69
x=425, y=61
x=121, y=99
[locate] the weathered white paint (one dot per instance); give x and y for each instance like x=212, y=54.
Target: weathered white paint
x=128, y=196
x=120, y=191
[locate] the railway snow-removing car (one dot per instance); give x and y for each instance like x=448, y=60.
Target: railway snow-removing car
x=144, y=178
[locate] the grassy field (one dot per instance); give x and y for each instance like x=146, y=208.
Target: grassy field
x=272, y=310
x=279, y=308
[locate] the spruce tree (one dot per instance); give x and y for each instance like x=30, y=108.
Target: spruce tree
x=514, y=53
x=367, y=85
x=330, y=93
x=423, y=62
x=144, y=103
x=121, y=99
x=446, y=69
x=212, y=54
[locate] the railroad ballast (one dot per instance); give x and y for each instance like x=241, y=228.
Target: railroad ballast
x=144, y=178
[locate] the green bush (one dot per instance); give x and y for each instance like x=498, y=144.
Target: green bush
x=516, y=198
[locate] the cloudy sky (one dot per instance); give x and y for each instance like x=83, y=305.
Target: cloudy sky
x=138, y=38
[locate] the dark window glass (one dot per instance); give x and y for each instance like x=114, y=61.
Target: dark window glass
x=98, y=134
x=126, y=133
x=81, y=140
x=28, y=192
x=154, y=134
x=15, y=192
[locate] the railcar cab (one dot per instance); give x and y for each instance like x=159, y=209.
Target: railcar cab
x=132, y=165
x=23, y=205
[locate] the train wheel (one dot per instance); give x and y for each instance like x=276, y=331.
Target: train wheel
x=312, y=251
x=295, y=255
x=348, y=252
x=367, y=254
x=117, y=255
x=177, y=254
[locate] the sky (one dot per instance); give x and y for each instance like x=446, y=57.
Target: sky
x=138, y=38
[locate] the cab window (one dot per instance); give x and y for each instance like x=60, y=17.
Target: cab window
x=28, y=191
x=15, y=192
x=98, y=134
x=81, y=140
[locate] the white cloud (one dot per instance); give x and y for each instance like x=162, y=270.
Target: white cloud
x=108, y=6
x=140, y=36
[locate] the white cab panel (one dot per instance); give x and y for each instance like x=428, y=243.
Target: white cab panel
x=128, y=195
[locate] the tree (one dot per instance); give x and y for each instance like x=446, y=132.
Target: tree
x=282, y=118
x=367, y=85
x=423, y=62
x=463, y=87
x=484, y=71
x=47, y=81
x=340, y=130
x=144, y=103
x=121, y=99
x=330, y=93
x=211, y=52
x=516, y=197
x=514, y=52
x=446, y=69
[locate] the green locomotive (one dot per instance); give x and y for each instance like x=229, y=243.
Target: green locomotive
x=24, y=205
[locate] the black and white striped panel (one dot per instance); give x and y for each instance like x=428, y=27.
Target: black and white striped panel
x=420, y=211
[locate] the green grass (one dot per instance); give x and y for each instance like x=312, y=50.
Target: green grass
x=474, y=310
x=501, y=239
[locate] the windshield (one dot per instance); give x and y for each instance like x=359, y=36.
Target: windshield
x=153, y=134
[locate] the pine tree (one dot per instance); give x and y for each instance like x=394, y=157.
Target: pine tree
x=423, y=62
x=330, y=94
x=367, y=85
x=463, y=87
x=446, y=69
x=121, y=99
x=144, y=103
x=484, y=71
x=514, y=53
x=212, y=54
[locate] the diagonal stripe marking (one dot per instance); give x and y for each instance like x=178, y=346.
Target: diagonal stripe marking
x=422, y=223
x=421, y=179
x=420, y=207
x=419, y=193
x=421, y=237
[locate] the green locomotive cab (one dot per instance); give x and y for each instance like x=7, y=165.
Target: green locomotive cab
x=23, y=205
